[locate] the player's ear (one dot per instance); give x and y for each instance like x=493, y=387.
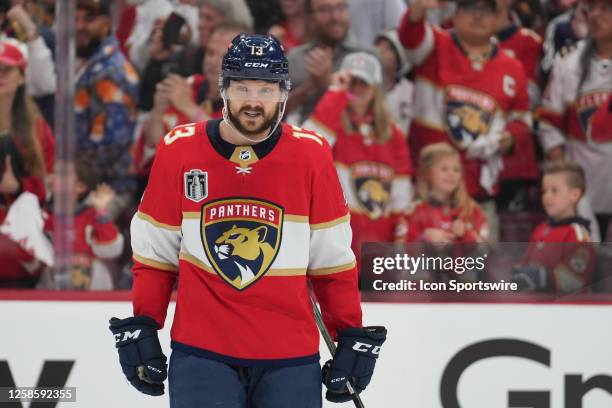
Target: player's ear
x=261, y=233
x=576, y=194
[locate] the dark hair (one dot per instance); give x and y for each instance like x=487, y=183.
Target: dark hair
x=24, y=115
x=87, y=172
x=574, y=173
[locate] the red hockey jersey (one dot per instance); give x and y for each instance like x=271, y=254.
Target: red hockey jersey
x=96, y=238
x=375, y=177
x=525, y=46
x=467, y=104
x=434, y=215
x=564, y=249
x=242, y=229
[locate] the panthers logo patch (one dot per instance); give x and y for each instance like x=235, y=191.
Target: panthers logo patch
x=372, y=184
x=468, y=115
x=241, y=238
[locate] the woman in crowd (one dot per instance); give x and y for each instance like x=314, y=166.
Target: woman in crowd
x=26, y=156
x=369, y=150
x=445, y=212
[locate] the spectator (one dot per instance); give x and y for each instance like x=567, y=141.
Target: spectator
x=445, y=212
x=146, y=14
x=312, y=64
x=26, y=156
x=576, y=113
x=187, y=61
x=484, y=120
x=368, y=18
x=291, y=32
x=41, y=81
x=399, y=90
x=105, y=98
x=549, y=265
x=564, y=31
x=179, y=101
x=521, y=43
x=96, y=238
x=370, y=152
x=520, y=172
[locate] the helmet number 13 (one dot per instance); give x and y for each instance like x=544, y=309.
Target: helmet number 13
x=256, y=50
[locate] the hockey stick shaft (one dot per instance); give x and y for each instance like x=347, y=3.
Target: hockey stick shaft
x=331, y=346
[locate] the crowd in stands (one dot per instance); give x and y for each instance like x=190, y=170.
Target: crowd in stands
x=471, y=121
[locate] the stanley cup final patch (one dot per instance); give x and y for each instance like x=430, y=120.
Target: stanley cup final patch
x=196, y=185
x=241, y=238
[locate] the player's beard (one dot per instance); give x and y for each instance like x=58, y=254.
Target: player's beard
x=268, y=121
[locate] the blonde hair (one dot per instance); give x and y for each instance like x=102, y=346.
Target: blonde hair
x=382, y=117
x=574, y=173
x=428, y=158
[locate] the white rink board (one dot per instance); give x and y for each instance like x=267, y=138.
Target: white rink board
x=422, y=340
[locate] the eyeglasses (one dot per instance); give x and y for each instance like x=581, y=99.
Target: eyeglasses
x=329, y=10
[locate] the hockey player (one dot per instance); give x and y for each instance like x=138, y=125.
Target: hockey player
x=268, y=216
x=467, y=93
x=576, y=113
x=560, y=256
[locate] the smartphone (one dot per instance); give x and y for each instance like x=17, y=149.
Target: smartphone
x=172, y=30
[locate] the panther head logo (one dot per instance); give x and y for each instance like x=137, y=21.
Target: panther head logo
x=469, y=121
x=374, y=196
x=245, y=247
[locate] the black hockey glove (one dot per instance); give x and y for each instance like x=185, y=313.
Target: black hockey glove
x=140, y=354
x=354, y=360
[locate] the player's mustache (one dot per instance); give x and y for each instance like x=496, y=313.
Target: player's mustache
x=257, y=109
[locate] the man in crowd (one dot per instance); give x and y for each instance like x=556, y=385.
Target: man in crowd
x=483, y=119
x=105, y=98
x=312, y=64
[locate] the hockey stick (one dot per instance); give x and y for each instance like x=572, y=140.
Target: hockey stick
x=331, y=346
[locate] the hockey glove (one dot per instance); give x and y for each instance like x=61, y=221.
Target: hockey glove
x=354, y=360
x=140, y=353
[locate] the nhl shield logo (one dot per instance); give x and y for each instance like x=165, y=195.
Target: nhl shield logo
x=196, y=185
x=241, y=238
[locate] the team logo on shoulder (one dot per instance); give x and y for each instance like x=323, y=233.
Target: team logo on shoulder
x=196, y=185
x=468, y=115
x=372, y=184
x=241, y=238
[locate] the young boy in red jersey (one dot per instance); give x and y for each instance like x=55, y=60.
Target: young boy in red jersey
x=96, y=237
x=560, y=256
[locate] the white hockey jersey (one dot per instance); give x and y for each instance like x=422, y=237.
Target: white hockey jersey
x=581, y=121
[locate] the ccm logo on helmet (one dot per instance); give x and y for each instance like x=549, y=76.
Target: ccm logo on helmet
x=256, y=64
x=363, y=348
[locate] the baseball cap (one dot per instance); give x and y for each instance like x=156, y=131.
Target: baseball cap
x=13, y=53
x=97, y=7
x=364, y=66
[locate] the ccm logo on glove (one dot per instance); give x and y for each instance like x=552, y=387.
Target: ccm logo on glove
x=127, y=335
x=364, y=348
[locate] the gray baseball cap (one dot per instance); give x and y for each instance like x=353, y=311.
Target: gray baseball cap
x=364, y=66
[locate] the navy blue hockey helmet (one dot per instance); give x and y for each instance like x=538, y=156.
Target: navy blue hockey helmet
x=255, y=56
